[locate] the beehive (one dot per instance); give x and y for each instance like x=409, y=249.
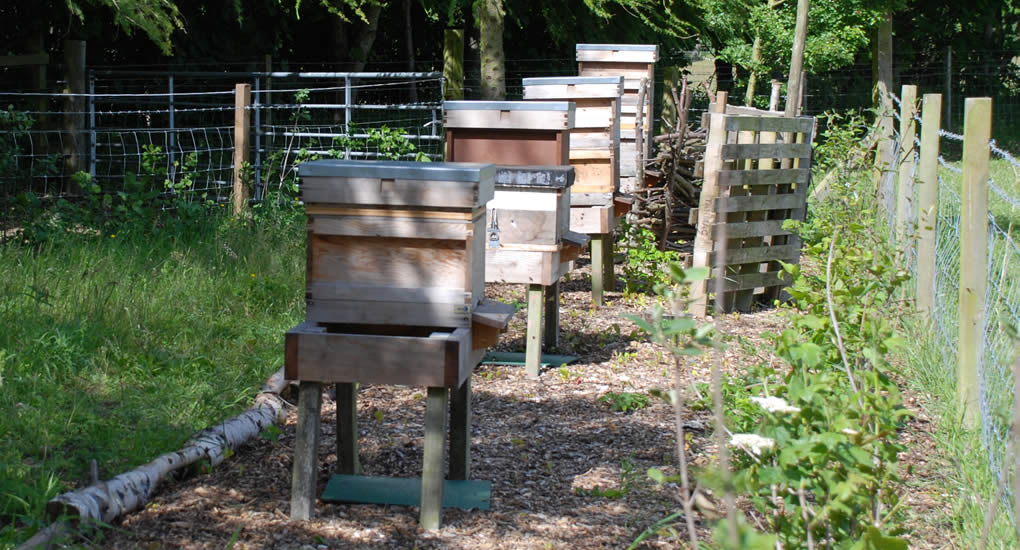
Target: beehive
x=396, y=268
x=527, y=232
x=595, y=139
x=634, y=62
x=517, y=133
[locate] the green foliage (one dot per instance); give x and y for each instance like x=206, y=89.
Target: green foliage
x=158, y=19
x=832, y=416
x=625, y=401
x=646, y=268
x=389, y=143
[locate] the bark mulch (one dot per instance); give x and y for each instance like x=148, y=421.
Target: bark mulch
x=550, y=448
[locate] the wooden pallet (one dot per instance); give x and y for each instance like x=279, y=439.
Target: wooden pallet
x=757, y=171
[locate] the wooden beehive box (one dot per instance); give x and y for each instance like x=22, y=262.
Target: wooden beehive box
x=595, y=139
x=633, y=62
x=528, y=235
x=517, y=133
x=396, y=269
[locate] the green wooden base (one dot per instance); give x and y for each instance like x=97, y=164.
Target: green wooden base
x=406, y=491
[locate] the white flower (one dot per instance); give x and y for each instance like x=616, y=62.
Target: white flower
x=775, y=404
x=851, y=433
x=752, y=443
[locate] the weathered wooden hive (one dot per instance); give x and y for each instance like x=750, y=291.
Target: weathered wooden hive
x=396, y=269
x=594, y=148
x=636, y=64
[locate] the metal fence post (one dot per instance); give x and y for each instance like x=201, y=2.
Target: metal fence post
x=172, y=138
x=977, y=122
x=928, y=203
x=92, y=125
x=256, y=107
x=347, y=115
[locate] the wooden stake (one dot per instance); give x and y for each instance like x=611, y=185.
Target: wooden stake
x=973, y=254
x=460, y=431
x=793, y=86
x=347, y=429
x=598, y=272
x=242, y=127
x=905, y=187
x=306, y=452
x=431, y=511
x=533, y=345
x=928, y=202
x=883, y=82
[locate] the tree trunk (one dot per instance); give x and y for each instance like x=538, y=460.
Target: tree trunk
x=490, y=26
x=365, y=38
x=752, y=77
x=127, y=492
x=76, y=147
x=882, y=71
x=797, y=60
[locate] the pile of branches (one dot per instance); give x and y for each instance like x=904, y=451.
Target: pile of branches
x=673, y=179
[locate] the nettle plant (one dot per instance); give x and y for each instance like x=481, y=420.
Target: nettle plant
x=647, y=267
x=819, y=461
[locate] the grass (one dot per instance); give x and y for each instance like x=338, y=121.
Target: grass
x=964, y=461
x=118, y=347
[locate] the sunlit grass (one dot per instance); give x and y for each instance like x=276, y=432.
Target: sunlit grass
x=119, y=347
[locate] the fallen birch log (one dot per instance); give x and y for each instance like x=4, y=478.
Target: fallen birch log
x=127, y=492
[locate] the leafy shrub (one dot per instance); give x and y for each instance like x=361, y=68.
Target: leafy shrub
x=625, y=401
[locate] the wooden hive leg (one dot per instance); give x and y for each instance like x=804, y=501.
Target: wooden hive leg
x=460, y=431
x=551, y=334
x=533, y=345
x=306, y=452
x=608, y=263
x=598, y=253
x=432, y=470
x=347, y=429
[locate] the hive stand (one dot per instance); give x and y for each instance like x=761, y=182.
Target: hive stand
x=636, y=64
x=395, y=295
x=528, y=233
x=594, y=152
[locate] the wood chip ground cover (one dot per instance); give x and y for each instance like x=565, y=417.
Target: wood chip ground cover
x=550, y=448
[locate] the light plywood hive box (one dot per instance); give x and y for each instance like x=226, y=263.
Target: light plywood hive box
x=636, y=64
x=528, y=234
x=396, y=269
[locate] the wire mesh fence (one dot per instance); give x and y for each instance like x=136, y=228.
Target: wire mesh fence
x=1001, y=301
x=175, y=132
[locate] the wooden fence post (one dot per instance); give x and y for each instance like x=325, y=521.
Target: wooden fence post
x=977, y=123
x=242, y=127
x=928, y=202
x=76, y=147
x=905, y=185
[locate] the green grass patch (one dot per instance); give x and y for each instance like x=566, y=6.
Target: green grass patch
x=119, y=346
x=963, y=460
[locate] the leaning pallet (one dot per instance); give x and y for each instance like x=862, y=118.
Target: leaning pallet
x=745, y=198
x=528, y=236
x=636, y=64
x=594, y=153
x=395, y=295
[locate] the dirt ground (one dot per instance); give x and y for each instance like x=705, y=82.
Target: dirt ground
x=550, y=448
